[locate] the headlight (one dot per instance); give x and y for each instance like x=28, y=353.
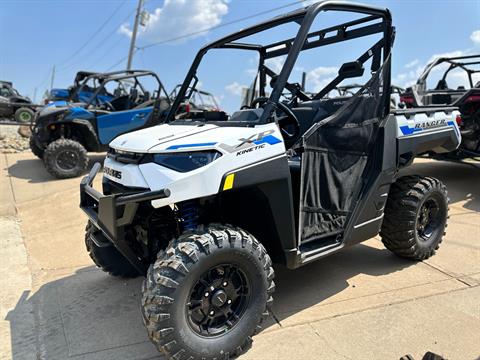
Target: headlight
x=186, y=161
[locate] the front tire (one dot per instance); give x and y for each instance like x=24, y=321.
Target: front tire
x=207, y=294
x=38, y=152
x=416, y=216
x=107, y=258
x=65, y=158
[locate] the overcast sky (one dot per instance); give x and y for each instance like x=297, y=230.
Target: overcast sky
x=94, y=35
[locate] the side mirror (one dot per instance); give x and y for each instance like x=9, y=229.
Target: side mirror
x=351, y=70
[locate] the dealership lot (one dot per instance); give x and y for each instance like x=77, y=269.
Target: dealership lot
x=363, y=303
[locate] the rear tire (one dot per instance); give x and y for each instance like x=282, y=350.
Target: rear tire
x=416, y=216
x=108, y=258
x=38, y=152
x=207, y=294
x=24, y=115
x=65, y=158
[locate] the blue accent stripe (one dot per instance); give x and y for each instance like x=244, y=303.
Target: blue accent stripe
x=406, y=130
x=451, y=123
x=269, y=139
x=175, y=147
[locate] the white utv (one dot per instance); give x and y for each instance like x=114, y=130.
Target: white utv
x=200, y=206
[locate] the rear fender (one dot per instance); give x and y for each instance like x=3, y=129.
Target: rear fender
x=426, y=130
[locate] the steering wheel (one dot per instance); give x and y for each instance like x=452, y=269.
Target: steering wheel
x=107, y=105
x=284, y=121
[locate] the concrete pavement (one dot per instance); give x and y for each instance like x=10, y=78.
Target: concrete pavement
x=363, y=303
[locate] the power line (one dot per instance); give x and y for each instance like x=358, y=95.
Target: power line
x=208, y=29
x=95, y=33
x=102, y=42
x=105, y=53
x=44, y=80
x=220, y=26
x=119, y=61
x=88, y=41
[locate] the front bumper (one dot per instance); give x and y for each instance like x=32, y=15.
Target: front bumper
x=111, y=213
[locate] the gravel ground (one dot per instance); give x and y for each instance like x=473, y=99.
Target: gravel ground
x=11, y=141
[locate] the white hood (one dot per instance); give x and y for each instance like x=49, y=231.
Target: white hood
x=144, y=140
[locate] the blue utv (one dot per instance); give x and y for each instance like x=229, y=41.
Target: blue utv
x=100, y=108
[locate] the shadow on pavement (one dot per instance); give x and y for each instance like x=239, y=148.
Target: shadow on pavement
x=94, y=316
x=88, y=315
x=462, y=180
x=34, y=171
x=313, y=284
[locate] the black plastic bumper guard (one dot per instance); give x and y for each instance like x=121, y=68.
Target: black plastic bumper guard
x=111, y=213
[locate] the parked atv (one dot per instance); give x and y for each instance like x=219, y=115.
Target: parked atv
x=119, y=102
x=13, y=105
x=201, y=207
x=466, y=98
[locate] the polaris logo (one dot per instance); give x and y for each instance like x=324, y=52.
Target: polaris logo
x=113, y=173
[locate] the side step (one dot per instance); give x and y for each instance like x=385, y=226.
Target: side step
x=312, y=255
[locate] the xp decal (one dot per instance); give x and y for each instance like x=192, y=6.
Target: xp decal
x=252, y=143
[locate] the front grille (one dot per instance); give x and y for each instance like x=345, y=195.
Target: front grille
x=111, y=188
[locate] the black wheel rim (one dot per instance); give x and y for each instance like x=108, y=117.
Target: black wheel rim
x=429, y=219
x=218, y=300
x=67, y=160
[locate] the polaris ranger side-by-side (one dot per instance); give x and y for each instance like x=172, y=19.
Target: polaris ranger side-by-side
x=100, y=107
x=201, y=206
x=465, y=96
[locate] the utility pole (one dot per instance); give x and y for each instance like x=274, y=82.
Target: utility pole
x=53, y=78
x=134, y=34
x=304, y=80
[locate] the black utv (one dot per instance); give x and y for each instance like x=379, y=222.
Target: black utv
x=13, y=105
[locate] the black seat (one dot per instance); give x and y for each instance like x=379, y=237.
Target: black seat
x=117, y=92
x=121, y=103
x=442, y=85
x=311, y=112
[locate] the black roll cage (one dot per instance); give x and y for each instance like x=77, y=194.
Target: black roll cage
x=173, y=94
x=455, y=62
x=104, y=78
x=303, y=41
